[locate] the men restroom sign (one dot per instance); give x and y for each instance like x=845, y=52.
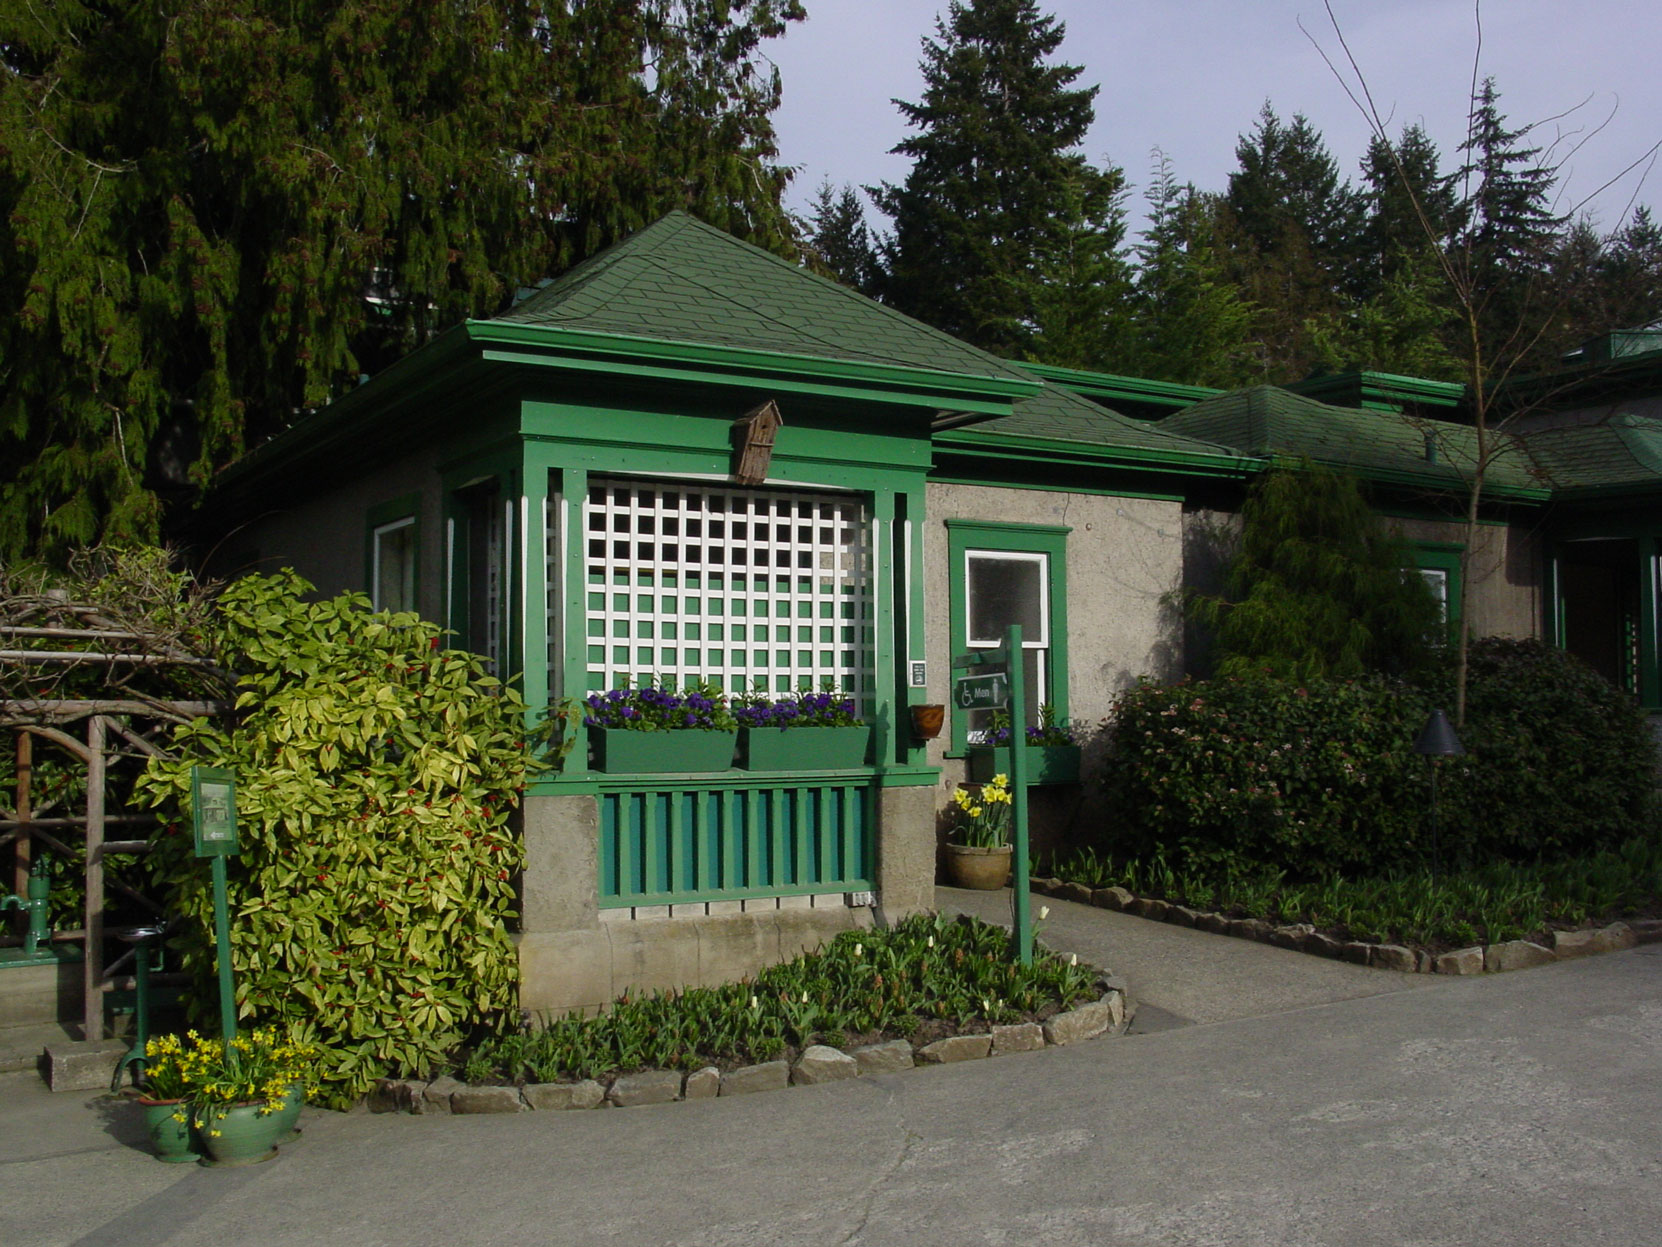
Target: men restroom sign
x=981, y=692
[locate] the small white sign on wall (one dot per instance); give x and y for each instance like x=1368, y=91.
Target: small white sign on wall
x=919, y=678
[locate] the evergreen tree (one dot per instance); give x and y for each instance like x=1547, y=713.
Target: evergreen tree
x=1412, y=208
x=994, y=171
x=1317, y=586
x=1082, y=306
x=1189, y=324
x=838, y=242
x=219, y=213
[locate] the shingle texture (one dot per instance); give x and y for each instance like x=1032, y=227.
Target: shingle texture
x=681, y=280
x=1267, y=420
x=1626, y=450
x=1061, y=415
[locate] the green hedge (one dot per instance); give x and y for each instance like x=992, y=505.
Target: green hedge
x=1320, y=777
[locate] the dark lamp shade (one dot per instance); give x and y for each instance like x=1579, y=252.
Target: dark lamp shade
x=1437, y=738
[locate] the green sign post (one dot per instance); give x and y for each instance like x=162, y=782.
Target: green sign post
x=994, y=682
x=213, y=800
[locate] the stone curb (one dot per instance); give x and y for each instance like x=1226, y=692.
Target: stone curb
x=1301, y=937
x=1108, y=1015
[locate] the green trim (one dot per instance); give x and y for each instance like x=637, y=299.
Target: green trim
x=887, y=617
x=550, y=346
x=911, y=637
x=380, y=516
x=1056, y=450
x=1139, y=391
x=1088, y=491
x=997, y=536
x=1448, y=558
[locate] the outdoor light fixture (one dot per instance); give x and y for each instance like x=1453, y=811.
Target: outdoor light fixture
x=1437, y=741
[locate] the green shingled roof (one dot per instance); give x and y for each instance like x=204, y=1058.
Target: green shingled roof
x=1059, y=414
x=1625, y=451
x=681, y=280
x=1269, y=421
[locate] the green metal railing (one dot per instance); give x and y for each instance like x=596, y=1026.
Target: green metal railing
x=674, y=840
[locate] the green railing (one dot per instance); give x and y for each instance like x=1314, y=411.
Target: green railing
x=680, y=839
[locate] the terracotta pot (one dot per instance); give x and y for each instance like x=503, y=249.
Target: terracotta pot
x=927, y=721
x=984, y=869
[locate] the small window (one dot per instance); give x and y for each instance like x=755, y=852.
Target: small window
x=393, y=579
x=1007, y=574
x=1439, y=564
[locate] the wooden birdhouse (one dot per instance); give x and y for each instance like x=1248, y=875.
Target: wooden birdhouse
x=753, y=436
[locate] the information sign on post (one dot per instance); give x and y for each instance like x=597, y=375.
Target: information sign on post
x=981, y=692
x=213, y=801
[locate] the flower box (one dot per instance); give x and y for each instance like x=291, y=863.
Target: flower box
x=1046, y=764
x=621, y=751
x=804, y=748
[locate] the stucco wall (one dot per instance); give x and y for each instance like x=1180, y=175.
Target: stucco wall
x=323, y=535
x=1124, y=556
x=1503, y=594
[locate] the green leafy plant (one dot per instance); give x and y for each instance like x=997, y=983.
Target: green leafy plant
x=375, y=776
x=981, y=819
x=924, y=971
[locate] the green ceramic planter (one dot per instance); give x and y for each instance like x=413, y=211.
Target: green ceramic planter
x=288, y=1117
x=1046, y=764
x=171, y=1131
x=804, y=748
x=238, y=1134
x=618, y=751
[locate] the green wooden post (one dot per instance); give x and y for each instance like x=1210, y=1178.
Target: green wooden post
x=222, y=936
x=213, y=793
x=1018, y=795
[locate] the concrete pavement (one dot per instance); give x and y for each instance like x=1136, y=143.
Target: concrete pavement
x=1492, y=1110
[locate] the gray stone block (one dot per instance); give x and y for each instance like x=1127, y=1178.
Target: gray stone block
x=486, y=1100
x=549, y=1096
x=820, y=1063
x=957, y=1048
x=1073, y=892
x=1181, y=916
x=702, y=1084
x=1616, y=936
x=650, y=1086
x=1515, y=955
x=1117, y=1014
x=1251, y=929
x=884, y=1058
x=1320, y=945
x=435, y=1098
x=1018, y=1037
x=1461, y=961
x=1394, y=957
x=72, y=1066
x=1646, y=930
x=768, y=1076
x=1111, y=898
x=1291, y=936
x=395, y=1095
x=1356, y=952
x=1085, y=1022
x=1212, y=924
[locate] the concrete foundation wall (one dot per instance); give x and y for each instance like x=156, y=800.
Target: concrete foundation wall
x=574, y=955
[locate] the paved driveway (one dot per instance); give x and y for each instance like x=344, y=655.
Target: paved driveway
x=1514, y=1109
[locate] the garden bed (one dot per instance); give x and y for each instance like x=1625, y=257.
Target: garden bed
x=928, y=990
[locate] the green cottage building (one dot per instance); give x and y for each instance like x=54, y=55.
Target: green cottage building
x=689, y=460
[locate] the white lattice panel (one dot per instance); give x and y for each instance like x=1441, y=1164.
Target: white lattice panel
x=741, y=587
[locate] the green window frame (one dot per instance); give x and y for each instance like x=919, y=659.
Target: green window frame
x=392, y=554
x=1439, y=563
x=1036, y=554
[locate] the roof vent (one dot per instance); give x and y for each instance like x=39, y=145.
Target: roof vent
x=1430, y=447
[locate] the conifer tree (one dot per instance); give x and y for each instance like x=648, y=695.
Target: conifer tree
x=219, y=213
x=1317, y=586
x=995, y=169
x=837, y=240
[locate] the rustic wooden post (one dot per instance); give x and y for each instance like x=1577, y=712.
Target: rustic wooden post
x=21, y=847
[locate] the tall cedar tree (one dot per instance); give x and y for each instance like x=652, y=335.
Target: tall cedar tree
x=1510, y=235
x=1290, y=238
x=1189, y=322
x=981, y=213
x=837, y=241
x=219, y=213
x=1317, y=587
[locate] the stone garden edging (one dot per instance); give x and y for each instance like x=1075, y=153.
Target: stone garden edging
x=818, y=1063
x=1304, y=938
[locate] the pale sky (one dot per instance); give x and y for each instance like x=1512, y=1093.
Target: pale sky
x=1189, y=76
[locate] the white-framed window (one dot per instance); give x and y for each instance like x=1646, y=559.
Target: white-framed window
x=393, y=570
x=1004, y=587
x=744, y=588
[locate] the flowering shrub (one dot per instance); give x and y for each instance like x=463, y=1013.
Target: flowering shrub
x=982, y=819
x=826, y=709
x=650, y=708
x=1048, y=732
